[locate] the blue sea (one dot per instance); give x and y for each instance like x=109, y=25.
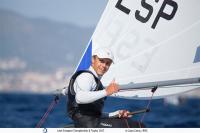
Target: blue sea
x=25, y=110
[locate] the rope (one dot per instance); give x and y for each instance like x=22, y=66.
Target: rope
x=148, y=105
x=126, y=122
x=51, y=106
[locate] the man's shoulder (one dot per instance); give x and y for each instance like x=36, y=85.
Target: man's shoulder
x=86, y=75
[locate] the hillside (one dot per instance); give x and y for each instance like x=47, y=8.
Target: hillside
x=38, y=55
x=42, y=44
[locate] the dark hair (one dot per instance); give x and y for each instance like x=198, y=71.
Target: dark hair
x=94, y=56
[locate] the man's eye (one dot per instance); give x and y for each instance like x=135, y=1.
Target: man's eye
x=102, y=61
x=108, y=63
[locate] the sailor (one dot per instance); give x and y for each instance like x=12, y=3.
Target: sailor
x=86, y=94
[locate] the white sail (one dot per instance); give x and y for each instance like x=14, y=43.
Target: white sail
x=152, y=41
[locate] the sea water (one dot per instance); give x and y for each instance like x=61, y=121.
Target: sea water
x=25, y=110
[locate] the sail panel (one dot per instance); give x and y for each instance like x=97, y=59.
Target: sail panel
x=152, y=41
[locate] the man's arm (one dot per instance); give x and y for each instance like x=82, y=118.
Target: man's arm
x=84, y=87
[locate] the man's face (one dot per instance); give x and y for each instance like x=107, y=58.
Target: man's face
x=101, y=65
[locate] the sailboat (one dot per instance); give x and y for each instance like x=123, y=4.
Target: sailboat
x=156, y=46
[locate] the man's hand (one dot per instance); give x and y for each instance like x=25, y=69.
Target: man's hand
x=120, y=114
x=112, y=88
x=124, y=114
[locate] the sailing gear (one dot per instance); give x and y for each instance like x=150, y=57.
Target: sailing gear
x=84, y=87
x=84, y=115
x=104, y=53
x=86, y=111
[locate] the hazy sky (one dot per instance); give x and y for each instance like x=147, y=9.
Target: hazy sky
x=81, y=12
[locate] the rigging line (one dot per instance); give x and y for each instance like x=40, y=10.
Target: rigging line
x=126, y=122
x=148, y=105
x=51, y=106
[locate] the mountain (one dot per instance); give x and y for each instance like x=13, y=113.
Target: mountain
x=42, y=44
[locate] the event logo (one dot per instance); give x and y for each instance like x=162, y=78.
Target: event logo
x=45, y=130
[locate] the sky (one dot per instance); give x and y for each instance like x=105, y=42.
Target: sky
x=79, y=12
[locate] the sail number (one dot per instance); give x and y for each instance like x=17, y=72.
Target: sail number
x=149, y=8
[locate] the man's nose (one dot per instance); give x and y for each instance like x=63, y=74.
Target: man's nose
x=104, y=65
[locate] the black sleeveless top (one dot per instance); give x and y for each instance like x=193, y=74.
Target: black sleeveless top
x=92, y=109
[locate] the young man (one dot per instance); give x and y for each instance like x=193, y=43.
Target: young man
x=86, y=93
